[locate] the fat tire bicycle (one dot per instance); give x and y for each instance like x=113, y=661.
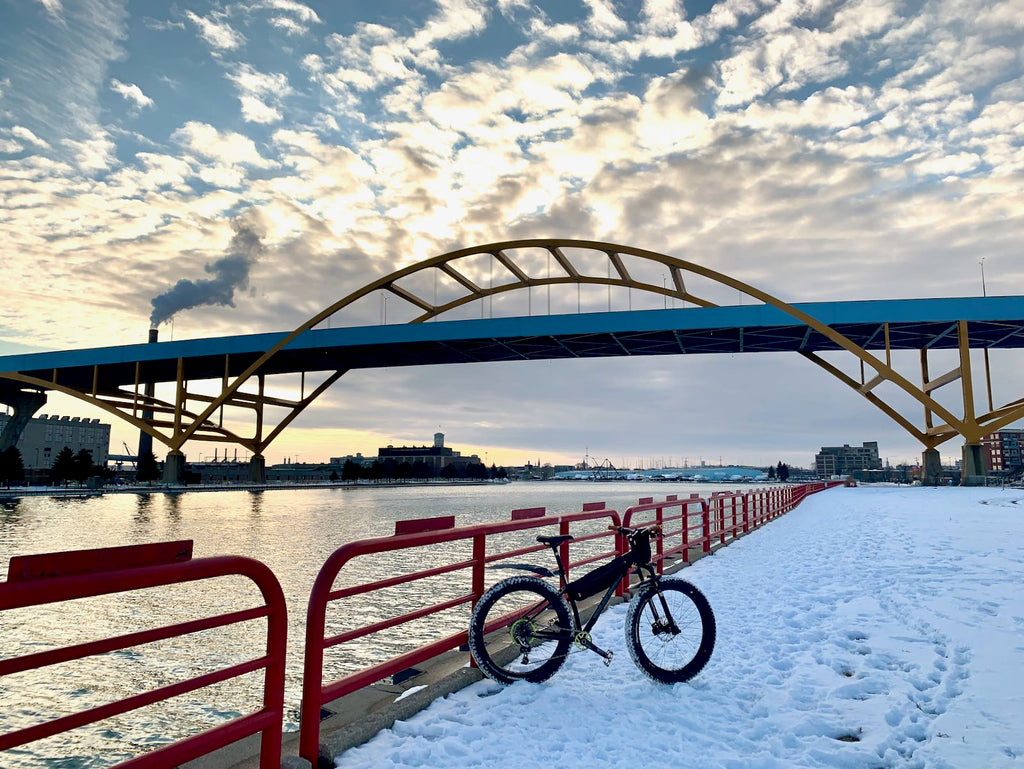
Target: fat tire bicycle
x=522, y=628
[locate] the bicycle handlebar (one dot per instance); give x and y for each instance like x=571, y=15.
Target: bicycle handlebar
x=654, y=530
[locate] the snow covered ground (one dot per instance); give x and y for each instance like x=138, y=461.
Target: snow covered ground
x=870, y=627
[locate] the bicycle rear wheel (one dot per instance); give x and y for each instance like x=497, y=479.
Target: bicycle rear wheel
x=534, y=631
x=670, y=631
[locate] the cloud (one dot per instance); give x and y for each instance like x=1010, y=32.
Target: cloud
x=256, y=92
x=226, y=147
x=94, y=154
x=53, y=78
x=604, y=22
x=295, y=19
x=217, y=33
x=21, y=139
x=131, y=92
x=53, y=7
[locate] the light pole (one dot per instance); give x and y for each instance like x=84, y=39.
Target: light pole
x=982, y=263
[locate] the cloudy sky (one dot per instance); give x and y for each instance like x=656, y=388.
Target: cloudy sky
x=282, y=154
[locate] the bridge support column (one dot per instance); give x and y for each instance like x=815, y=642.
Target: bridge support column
x=973, y=471
x=25, y=404
x=174, y=467
x=257, y=469
x=931, y=468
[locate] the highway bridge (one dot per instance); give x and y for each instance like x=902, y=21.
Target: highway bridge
x=214, y=374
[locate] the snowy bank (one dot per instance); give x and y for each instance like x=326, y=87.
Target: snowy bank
x=870, y=627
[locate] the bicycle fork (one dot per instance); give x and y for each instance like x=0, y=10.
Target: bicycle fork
x=665, y=622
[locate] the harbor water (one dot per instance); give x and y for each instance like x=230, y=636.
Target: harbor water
x=293, y=531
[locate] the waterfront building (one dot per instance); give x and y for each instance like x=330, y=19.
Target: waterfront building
x=1002, y=450
x=356, y=458
x=846, y=459
x=44, y=437
x=435, y=457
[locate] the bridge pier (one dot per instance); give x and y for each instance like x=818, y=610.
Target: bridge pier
x=257, y=469
x=972, y=470
x=174, y=467
x=931, y=468
x=25, y=403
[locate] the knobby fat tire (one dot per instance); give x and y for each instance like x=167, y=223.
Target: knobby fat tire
x=487, y=661
x=690, y=650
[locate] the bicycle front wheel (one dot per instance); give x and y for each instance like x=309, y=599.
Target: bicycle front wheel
x=520, y=630
x=670, y=631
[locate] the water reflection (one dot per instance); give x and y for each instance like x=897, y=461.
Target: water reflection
x=143, y=510
x=256, y=503
x=172, y=503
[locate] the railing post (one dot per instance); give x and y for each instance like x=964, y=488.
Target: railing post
x=312, y=673
x=705, y=512
x=686, y=532
x=721, y=520
x=479, y=556
x=563, y=549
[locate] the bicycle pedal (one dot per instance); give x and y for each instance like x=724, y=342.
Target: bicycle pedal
x=608, y=659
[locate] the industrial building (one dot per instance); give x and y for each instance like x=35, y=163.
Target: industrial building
x=846, y=459
x=44, y=437
x=436, y=457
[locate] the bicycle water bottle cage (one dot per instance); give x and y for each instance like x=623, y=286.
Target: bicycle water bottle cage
x=555, y=541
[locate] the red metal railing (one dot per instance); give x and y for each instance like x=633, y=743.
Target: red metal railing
x=42, y=579
x=410, y=536
x=708, y=523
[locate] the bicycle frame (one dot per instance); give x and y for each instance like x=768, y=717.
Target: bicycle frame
x=627, y=566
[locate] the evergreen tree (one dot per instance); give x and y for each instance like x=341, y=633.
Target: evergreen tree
x=783, y=471
x=350, y=472
x=147, y=468
x=11, y=466
x=63, y=468
x=83, y=467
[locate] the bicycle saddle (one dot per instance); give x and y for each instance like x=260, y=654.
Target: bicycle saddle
x=555, y=541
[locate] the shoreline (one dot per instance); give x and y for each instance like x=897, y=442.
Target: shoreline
x=60, y=491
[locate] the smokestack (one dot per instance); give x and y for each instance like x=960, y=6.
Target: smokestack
x=145, y=439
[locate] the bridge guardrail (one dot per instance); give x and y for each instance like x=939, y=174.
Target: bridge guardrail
x=34, y=580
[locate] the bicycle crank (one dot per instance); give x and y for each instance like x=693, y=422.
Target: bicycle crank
x=583, y=640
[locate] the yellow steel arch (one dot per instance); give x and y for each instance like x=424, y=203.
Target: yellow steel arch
x=971, y=426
